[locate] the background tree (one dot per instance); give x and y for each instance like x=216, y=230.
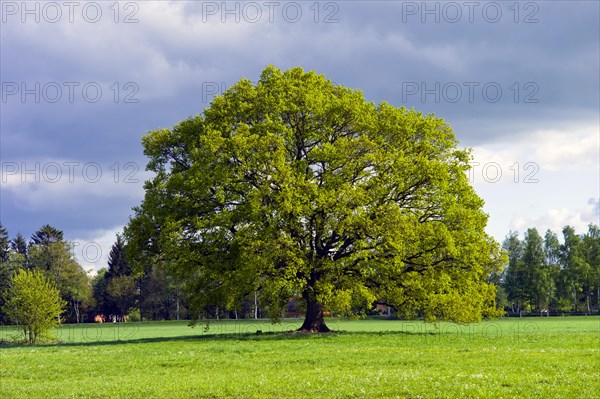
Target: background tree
x=76, y=290
x=10, y=262
x=121, y=290
x=45, y=235
x=54, y=257
x=162, y=295
x=575, y=271
x=590, y=244
x=515, y=282
x=496, y=278
x=539, y=283
x=99, y=289
x=13, y=263
x=567, y=279
x=4, y=244
x=5, y=272
x=45, y=243
x=298, y=186
x=34, y=303
x=117, y=264
x=115, y=288
x=551, y=249
x=19, y=245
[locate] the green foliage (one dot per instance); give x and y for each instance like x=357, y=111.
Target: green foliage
x=134, y=315
x=540, y=286
x=544, y=274
x=4, y=244
x=298, y=186
x=19, y=245
x=117, y=264
x=34, y=303
x=115, y=289
x=55, y=259
x=121, y=289
x=13, y=263
x=99, y=286
x=515, y=280
x=161, y=295
x=45, y=235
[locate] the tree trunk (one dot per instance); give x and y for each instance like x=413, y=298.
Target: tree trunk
x=313, y=322
x=76, y=307
x=140, y=299
x=255, y=306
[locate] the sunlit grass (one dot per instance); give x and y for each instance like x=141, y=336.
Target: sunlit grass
x=509, y=358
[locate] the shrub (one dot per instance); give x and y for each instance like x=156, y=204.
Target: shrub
x=34, y=303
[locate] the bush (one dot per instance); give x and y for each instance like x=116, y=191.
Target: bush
x=134, y=315
x=34, y=303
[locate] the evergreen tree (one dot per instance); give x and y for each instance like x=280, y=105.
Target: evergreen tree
x=46, y=235
x=99, y=287
x=13, y=263
x=117, y=264
x=19, y=245
x=4, y=244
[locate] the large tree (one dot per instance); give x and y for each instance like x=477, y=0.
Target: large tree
x=299, y=186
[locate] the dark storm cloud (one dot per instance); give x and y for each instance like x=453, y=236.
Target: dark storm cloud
x=543, y=56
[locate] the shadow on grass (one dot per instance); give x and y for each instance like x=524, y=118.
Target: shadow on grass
x=223, y=337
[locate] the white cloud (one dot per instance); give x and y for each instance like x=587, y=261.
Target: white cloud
x=546, y=177
x=92, y=249
x=556, y=219
x=572, y=149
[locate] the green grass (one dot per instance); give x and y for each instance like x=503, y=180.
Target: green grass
x=509, y=358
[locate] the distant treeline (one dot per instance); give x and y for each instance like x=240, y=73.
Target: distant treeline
x=542, y=275
x=115, y=292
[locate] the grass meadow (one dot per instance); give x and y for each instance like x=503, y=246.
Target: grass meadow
x=374, y=358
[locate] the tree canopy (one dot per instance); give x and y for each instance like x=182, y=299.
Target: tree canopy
x=49, y=253
x=296, y=186
x=45, y=235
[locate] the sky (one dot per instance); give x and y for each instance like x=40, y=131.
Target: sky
x=83, y=81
